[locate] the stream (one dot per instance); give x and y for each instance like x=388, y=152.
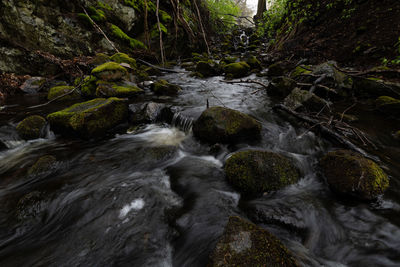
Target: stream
x=155, y=196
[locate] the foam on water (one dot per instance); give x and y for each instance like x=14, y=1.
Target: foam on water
x=135, y=205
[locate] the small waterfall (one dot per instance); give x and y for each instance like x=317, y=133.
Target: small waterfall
x=244, y=38
x=182, y=122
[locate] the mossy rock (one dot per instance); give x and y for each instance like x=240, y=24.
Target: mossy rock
x=254, y=63
x=88, y=87
x=223, y=125
x=109, y=72
x=58, y=91
x=90, y=119
x=300, y=70
x=162, y=87
x=207, y=68
x=350, y=173
x=42, y=165
x=254, y=172
x=229, y=60
x=31, y=127
x=302, y=99
x=107, y=89
x=388, y=105
x=279, y=68
x=246, y=244
x=30, y=206
x=281, y=86
x=124, y=58
x=99, y=59
x=372, y=87
x=237, y=70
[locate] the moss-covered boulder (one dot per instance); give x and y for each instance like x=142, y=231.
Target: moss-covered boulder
x=373, y=87
x=124, y=58
x=99, y=59
x=88, y=86
x=237, y=70
x=43, y=164
x=349, y=173
x=108, y=89
x=388, y=105
x=254, y=172
x=302, y=99
x=207, y=68
x=281, y=86
x=89, y=119
x=245, y=244
x=31, y=127
x=109, y=72
x=223, y=125
x=279, y=68
x=30, y=206
x=254, y=63
x=300, y=70
x=162, y=87
x=65, y=92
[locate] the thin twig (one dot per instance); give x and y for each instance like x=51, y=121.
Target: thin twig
x=159, y=29
x=202, y=28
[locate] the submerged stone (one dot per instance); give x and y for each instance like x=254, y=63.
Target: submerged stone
x=44, y=164
x=254, y=172
x=162, y=87
x=237, y=70
x=90, y=119
x=388, y=105
x=350, y=173
x=65, y=92
x=107, y=89
x=223, y=125
x=246, y=244
x=110, y=71
x=31, y=127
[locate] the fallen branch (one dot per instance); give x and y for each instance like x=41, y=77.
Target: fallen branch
x=247, y=81
x=159, y=68
x=325, y=130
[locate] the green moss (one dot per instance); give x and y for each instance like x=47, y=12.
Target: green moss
x=245, y=244
x=90, y=119
x=124, y=58
x=120, y=34
x=154, y=32
x=110, y=71
x=388, y=105
x=254, y=172
x=349, y=173
x=238, y=69
x=162, y=87
x=58, y=91
x=104, y=6
x=88, y=87
x=43, y=164
x=299, y=70
x=386, y=100
x=85, y=19
x=97, y=14
x=106, y=89
x=31, y=127
x=253, y=62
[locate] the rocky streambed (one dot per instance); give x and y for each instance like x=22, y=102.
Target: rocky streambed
x=110, y=170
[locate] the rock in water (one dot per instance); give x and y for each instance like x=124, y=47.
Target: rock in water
x=245, y=244
x=110, y=72
x=223, y=125
x=162, y=87
x=108, y=89
x=349, y=173
x=90, y=119
x=44, y=164
x=237, y=70
x=31, y=127
x=255, y=172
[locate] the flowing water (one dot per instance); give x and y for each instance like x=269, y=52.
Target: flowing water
x=155, y=196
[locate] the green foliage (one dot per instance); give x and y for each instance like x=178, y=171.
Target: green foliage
x=222, y=11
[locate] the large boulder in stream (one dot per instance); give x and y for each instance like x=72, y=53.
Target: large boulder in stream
x=162, y=87
x=31, y=127
x=90, y=119
x=237, y=70
x=350, y=173
x=224, y=125
x=246, y=244
x=255, y=172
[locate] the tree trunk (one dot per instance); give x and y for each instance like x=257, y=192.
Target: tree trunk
x=261, y=8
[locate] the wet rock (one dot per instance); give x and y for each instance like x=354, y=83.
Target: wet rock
x=245, y=244
x=31, y=127
x=279, y=68
x=109, y=89
x=30, y=206
x=33, y=85
x=42, y=165
x=58, y=91
x=229, y=60
x=207, y=68
x=372, y=87
x=388, y=105
x=349, y=173
x=281, y=86
x=149, y=112
x=89, y=119
x=223, y=125
x=254, y=172
x=124, y=58
x=254, y=63
x=304, y=99
x=333, y=77
x=162, y=87
x=3, y=146
x=237, y=70
x=110, y=72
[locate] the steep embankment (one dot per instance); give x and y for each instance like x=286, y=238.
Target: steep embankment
x=362, y=33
